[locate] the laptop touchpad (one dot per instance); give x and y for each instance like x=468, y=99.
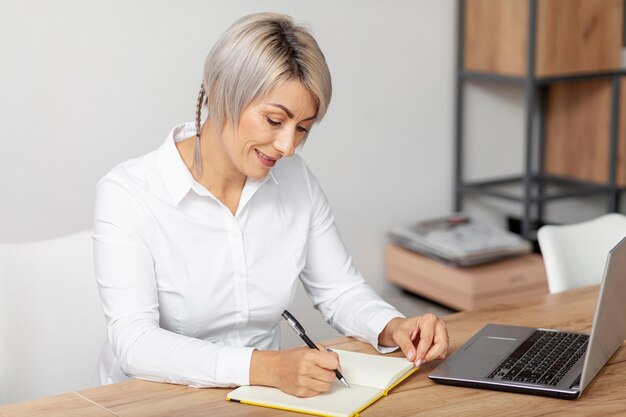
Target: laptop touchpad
x=491, y=345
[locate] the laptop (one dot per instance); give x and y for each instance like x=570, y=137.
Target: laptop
x=542, y=361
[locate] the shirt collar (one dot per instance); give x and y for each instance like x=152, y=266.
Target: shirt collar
x=176, y=175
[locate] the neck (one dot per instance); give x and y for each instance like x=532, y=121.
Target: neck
x=218, y=174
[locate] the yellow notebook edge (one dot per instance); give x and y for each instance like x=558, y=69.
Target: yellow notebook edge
x=383, y=393
x=386, y=391
x=408, y=374
x=275, y=407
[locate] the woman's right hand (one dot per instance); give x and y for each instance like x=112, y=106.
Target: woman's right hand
x=300, y=371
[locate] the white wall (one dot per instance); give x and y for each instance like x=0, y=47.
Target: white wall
x=87, y=84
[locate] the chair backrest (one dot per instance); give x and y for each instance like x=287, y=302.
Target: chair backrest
x=51, y=323
x=575, y=254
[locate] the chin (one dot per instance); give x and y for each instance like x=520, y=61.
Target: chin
x=258, y=175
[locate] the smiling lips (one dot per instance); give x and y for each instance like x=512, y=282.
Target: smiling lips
x=265, y=160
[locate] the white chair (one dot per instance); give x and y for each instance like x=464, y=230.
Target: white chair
x=575, y=254
x=51, y=323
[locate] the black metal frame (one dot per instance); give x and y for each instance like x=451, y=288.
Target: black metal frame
x=533, y=180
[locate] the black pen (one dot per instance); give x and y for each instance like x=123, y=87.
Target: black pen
x=293, y=323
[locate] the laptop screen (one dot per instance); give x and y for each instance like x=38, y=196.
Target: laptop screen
x=609, y=327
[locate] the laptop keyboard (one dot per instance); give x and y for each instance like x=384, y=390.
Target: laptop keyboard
x=543, y=358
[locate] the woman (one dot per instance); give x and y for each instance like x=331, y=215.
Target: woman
x=198, y=244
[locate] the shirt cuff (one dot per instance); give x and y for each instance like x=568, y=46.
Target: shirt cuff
x=233, y=365
x=376, y=326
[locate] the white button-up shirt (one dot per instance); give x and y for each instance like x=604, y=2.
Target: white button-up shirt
x=189, y=290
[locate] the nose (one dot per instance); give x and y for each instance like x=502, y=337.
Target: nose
x=285, y=143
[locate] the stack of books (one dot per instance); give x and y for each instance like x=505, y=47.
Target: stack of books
x=457, y=240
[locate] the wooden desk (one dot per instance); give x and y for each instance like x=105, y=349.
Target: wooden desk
x=572, y=310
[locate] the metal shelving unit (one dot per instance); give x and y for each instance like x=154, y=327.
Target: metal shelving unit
x=534, y=181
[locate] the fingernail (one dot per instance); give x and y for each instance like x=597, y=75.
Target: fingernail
x=418, y=362
x=410, y=355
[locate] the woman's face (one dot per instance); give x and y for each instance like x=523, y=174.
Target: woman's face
x=270, y=128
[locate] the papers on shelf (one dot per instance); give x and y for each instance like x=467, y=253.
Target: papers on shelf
x=459, y=241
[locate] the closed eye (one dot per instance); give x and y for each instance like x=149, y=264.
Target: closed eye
x=302, y=129
x=272, y=122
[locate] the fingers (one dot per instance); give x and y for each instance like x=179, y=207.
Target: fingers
x=315, y=372
x=308, y=387
x=319, y=381
x=326, y=358
x=300, y=371
x=434, y=339
x=324, y=376
x=426, y=334
x=422, y=338
x=405, y=341
x=439, y=349
x=330, y=350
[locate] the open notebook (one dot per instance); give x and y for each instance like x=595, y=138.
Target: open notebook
x=370, y=378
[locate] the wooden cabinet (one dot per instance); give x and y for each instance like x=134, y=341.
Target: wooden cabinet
x=470, y=287
x=578, y=131
x=571, y=36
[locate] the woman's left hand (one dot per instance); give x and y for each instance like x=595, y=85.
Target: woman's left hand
x=422, y=338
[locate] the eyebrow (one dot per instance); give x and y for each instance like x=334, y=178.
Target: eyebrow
x=289, y=113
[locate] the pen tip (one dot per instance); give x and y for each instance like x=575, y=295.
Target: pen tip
x=345, y=382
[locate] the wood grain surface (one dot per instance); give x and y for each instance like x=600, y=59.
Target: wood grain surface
x=572, y=36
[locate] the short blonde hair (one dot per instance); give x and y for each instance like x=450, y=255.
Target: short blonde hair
x=257, y=53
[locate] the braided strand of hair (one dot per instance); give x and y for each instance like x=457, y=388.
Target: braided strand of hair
x=197, y=155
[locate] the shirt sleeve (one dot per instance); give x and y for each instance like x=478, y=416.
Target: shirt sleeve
x=128, y=289
x=336, y=287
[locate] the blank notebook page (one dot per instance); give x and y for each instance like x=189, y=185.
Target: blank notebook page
x=368, y=376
